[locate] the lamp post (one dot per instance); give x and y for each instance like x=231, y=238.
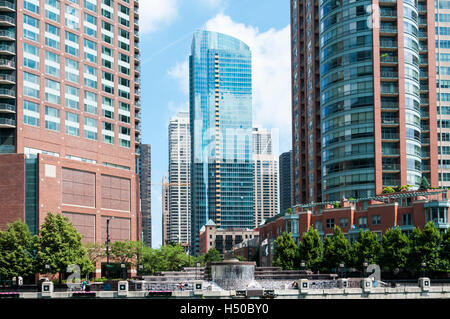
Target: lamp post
x=365, y=264
x=107, y=246
x=424, y=265
x=341, y=266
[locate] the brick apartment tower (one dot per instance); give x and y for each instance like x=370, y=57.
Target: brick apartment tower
x=442, y=11
x=377, y=110
x=69, y=115
x=145, y=179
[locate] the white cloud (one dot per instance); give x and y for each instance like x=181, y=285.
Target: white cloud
x=271, y=73
x=154, y=13
x=180, y=73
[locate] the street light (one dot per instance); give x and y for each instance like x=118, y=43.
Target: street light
x=342, y=265
x=423, y=264
x=365, y=264
x=107, y=246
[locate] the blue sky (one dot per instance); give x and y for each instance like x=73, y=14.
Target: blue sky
x=166, y=28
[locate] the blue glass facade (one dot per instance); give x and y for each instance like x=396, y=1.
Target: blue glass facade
x=221, y=133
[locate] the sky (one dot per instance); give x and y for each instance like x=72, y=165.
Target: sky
x=166, y=30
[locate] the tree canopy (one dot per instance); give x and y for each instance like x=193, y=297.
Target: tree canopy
x=286, y=252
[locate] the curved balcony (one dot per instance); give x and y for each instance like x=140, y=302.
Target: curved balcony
x=7, y=6
x=7, y=123
x=7, y=93
x=7, y=79
x=7, y=49
x=7, y=21
x=6, y=35
x=7, y=64
x=7, y=108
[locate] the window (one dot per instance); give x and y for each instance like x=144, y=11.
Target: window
x=72, y=18
x=52, y=121
x=90, y=102
x=31, y=85
x=31, y=56
x=407, y=219
x=376, y=220
x=90, y=76
x=72, y=97
x=362, y=222
x=52, y=38
x=31, y=113
x=72, y=124
x=124, y=136
x=31, y=5
x=108, y=132
x=91, y=5
x=30, y=28
x=52, y=91
x=90, y=51
x=108, y=82
x=330, y=223
x=52, y=65
x=72, y=70
x=52, y=10
x=107, y=107
x=72, y=44
x=90, y=25
x=90, y=128
x=343, y=222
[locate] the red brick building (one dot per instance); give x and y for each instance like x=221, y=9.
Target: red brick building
x=70, y=123
x=405, y=210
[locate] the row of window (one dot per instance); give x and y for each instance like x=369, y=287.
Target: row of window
x=72, y=14
x=72, y=124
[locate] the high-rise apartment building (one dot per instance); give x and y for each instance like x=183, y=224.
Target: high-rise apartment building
x=221, y=133
x=266, y=175
x=145, y=179
x=285, y=164
x=306, y=139
x=69, y=115
x=377, y=107
x=179, y=179
x=442, y=22
x=165, y=211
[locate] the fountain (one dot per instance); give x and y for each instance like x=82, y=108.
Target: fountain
x=233, y=274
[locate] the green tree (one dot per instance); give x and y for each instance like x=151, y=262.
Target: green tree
x=424, y=184
x=336, y=250
x=124, y=252
x=286, y=252
x=17, y=251
x=395, y=246
x=94, y=252
x=60, y=246
x=444, y=252
x=211, y=256
x=311, y=249
x=366, y=248
x=424, y=248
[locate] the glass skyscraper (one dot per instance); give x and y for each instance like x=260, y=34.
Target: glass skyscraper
x=221, y=133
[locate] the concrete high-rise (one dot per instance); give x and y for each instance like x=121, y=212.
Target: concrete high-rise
x=266, y=175
x=222, y=183
x=377, y=113
x=179, y=180
x=145, y=178
x=69, y=115
x=285, y=177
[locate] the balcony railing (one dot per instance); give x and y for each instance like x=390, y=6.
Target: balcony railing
x=391, y=151
x=7, y=122
x=7, y=78
x=7, y=92
x=7, y=20
x=390, y=136
x=391, y=167
x=7, y=6
x=9, y=64
x=8, y=48
x=7, y=108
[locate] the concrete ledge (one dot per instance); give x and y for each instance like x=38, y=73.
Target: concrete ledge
x=182, y=294
x=216, y=294
x=353, y=291
x=106, y=294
